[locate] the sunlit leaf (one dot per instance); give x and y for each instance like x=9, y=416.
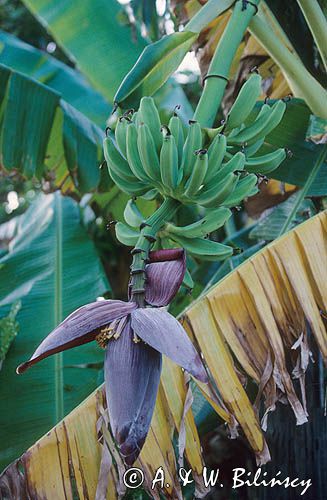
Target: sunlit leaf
x=93, y=35
x=46, y=69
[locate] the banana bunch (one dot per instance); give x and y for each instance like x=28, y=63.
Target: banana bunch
x=145, y=158
x=212, y=168
x=191, y=237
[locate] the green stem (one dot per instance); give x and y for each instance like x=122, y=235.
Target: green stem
x=300, y=80
x=302, y=194
x=220, y=65
x=142, y=248
x=317, y=23
x=207, y=13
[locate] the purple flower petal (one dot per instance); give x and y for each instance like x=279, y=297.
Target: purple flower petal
x=80, y=327
x=132, y=374
x=165, y=274
x=164, y=333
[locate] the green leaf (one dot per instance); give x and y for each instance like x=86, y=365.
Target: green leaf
x=156, y=63
x=59, y=271
x=92, y=34
x=269, y=226
x=43, y=136
x=291, y=133
x=71, y=85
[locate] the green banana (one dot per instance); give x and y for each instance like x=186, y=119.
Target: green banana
x=277, y=113
x=148, y=152
x=133, y=155
x=237, y=162
x=255, y=131
x=121, y=132
x=150, y=195
x=245, y=187
x=254, y=148
x=169, y=161
x=244, y=102
x=116, y=162
x=188, y=280
x=211, y=222
x=204, y=249
x=216, y=153
x=265, y=122
x=149, y=115
x=266, y=163
x=198, y=173
x=132, y=215
x=193, y=142
x=176, y=128
x=126, y=234
x=215, y=195
x=134, y=188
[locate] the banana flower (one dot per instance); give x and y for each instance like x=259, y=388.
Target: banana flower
x=134, y=339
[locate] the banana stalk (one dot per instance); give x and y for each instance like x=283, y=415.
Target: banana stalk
x=298, y=77
x=219, y=68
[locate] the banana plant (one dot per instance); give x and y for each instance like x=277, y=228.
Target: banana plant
x=200, y=166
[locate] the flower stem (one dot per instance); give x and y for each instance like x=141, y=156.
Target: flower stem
x=142, y=248
x=219, y=68
x=303, y=192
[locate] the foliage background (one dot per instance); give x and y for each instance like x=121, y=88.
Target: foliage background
x=57, y=247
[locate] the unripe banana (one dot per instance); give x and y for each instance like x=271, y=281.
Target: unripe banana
x=193, y=143
x=121, y=132
x=116, y=162
x=134, y=188
x=245, y=187
x=198, y=173
x=211, y=222
x=244, y=102
x=149, y=115
x=133, y=155
x=277, y=113
x=266, y=163
x=237, y=162
x=176, y=128
x=126, y=234
x=255, y=131
x=216, y=153
x=132, y=215
x=150, y=195
x=252, y=150
x=215, y=195
x=148, y=152
x=169, y=161
x=204, y=249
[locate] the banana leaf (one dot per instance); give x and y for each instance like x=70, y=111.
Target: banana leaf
x=95, y=35
x=272, y=221
x=51, y=267
x=43, y=136
x=68, y=82
x=246, y=326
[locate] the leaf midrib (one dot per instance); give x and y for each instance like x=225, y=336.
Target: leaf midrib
x=59, y=393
